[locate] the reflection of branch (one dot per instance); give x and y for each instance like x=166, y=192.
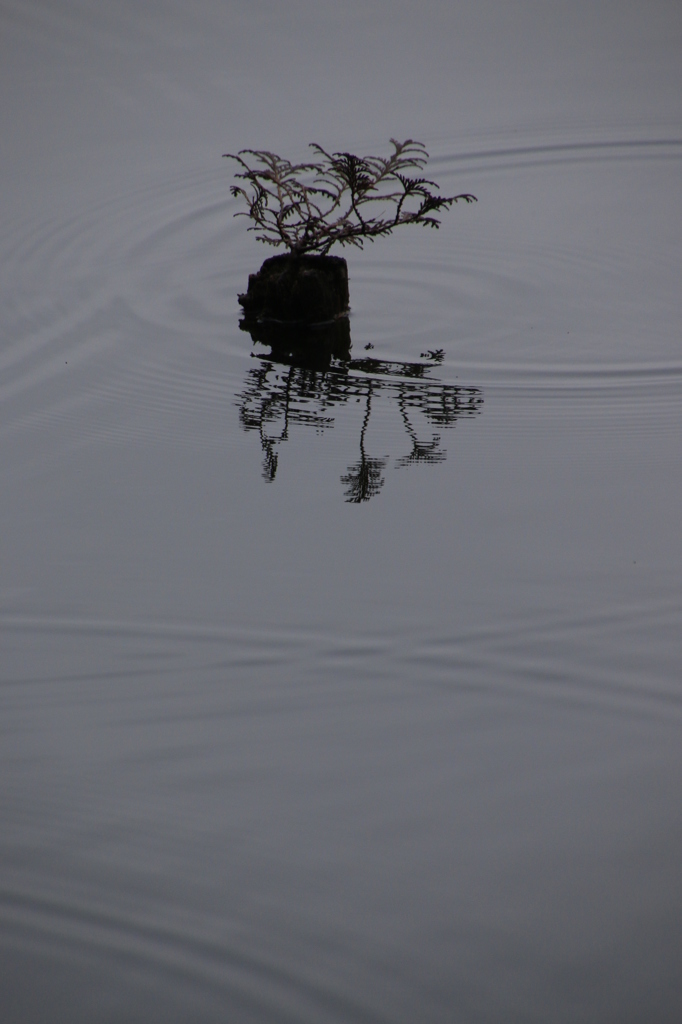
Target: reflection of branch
x=422, y=451
x=363, y=479
x=270, y=460
x=300, y=382
x=263, y=403
x=269, y=412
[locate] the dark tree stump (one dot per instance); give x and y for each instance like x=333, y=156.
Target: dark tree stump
x=303, y=289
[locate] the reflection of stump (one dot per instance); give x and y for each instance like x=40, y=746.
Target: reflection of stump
x=303, y=344
x=308, y=289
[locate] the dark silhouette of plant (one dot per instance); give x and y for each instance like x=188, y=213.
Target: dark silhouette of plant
x=292, y=387
x=341, y=197
x=364, y=479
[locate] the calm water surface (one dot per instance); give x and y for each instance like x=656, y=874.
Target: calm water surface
x=350, y=691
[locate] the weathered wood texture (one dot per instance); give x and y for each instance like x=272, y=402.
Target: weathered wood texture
x=304, y=289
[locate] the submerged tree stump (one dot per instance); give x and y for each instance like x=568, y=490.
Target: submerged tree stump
x=297, y=289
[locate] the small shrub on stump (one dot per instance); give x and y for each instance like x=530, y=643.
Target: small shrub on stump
x=309, y=207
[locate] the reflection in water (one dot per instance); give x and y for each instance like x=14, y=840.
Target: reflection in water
x=364, y=479
x=321, y=374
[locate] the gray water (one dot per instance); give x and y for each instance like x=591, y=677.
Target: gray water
x=278, y=745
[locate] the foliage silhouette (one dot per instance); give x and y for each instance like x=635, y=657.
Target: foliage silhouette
x=338, y=198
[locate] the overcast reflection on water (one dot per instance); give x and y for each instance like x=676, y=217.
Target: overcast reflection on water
x=341, y=682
